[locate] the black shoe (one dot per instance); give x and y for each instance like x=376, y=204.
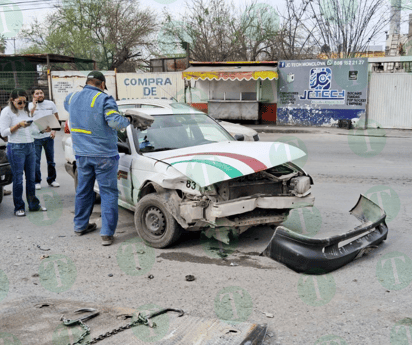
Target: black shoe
x=91, y=227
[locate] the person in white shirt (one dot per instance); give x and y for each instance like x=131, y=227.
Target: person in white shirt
x=15, y=123
x=39, y=108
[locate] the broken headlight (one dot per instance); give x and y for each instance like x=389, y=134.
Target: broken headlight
x=300, y=186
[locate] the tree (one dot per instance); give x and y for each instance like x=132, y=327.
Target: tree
x=3, y=44
x=217, y=31
x=295, y=40
x=346, y=27
x=112, y=32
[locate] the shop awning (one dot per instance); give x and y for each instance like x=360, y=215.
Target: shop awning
x=229, y=72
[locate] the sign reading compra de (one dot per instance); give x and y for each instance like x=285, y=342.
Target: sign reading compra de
x=321, y=92
x=150, y=85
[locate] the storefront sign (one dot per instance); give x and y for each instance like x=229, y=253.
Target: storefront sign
x=318, y=92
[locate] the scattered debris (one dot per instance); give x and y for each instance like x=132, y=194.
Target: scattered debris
x=269, y=315
x=110, y=275
x=44, y=256
x=151, y=276
x=19, y=237
x=38, y=246
x=42, y=305
x=124, y=316
x=35, y=275
x=234, y=264
x=190, y=278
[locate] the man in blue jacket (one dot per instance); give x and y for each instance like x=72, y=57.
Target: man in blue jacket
x=94, y=121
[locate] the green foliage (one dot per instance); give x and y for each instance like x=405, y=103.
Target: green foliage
x=108, y=31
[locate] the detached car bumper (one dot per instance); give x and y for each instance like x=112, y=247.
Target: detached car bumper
x=6, y=175
x=319, y=256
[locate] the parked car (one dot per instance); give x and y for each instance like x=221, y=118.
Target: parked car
x=5, y=169
x=234, y=129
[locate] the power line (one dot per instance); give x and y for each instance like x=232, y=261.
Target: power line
x=29, y=9
x=26, y=2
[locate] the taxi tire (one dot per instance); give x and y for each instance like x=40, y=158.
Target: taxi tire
x=173, y=230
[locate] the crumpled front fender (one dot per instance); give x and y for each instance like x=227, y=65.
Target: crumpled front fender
x=319, y=256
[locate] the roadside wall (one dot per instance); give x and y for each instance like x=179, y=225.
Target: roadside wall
x=321, y=92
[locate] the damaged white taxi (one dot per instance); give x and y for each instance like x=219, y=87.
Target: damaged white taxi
x=183, y=171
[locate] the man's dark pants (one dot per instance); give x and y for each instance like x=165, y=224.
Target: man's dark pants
x=48, y=145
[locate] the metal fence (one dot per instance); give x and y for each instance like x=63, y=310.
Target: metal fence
x=392, y=67
x=23, y=80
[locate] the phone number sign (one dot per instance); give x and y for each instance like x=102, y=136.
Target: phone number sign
x=324, y=84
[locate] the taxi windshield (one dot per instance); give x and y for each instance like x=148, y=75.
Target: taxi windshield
x=169, y=132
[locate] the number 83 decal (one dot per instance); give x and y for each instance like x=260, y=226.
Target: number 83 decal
x=190, y=184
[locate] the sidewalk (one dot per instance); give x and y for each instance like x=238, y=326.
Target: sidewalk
x=388, y=133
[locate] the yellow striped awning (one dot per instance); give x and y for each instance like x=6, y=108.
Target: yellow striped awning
x=230, y=73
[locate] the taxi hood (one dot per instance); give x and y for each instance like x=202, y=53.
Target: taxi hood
x=216, y=162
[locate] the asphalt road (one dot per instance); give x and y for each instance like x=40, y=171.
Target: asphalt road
x=366, y=302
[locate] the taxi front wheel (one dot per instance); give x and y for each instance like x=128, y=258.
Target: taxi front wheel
x=154, y=224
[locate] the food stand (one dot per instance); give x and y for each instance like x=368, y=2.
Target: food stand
x=235, y=90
